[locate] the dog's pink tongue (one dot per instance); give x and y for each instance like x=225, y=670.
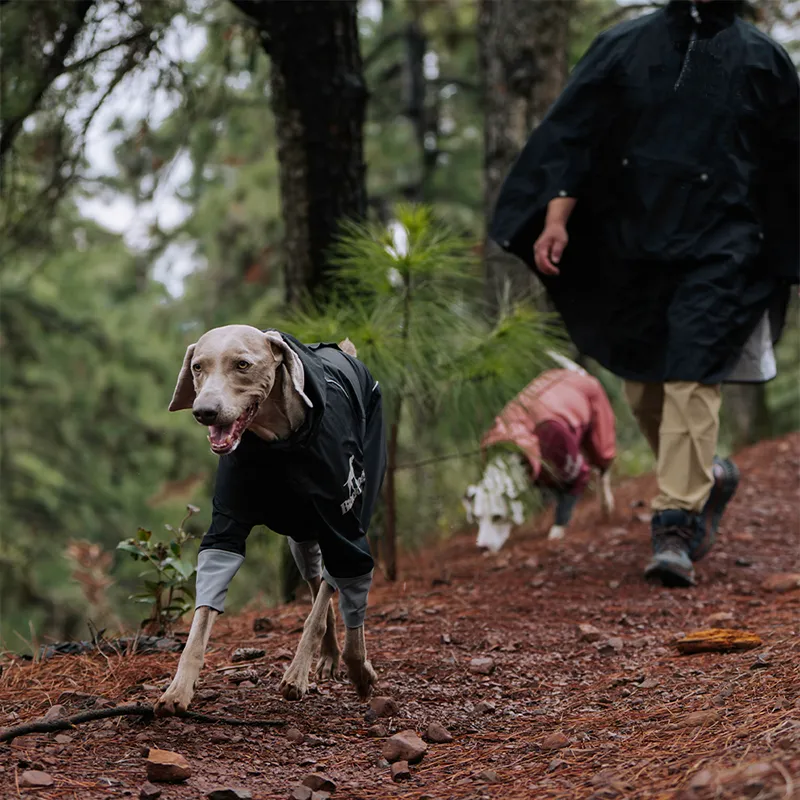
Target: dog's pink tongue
x=217, y=434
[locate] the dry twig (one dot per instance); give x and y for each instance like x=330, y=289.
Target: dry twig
x=138, y=709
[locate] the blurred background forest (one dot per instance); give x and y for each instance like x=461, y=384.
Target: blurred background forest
x=171, y=165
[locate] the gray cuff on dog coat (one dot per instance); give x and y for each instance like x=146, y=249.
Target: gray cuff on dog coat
x=308, y=558
x=215, y=570
x=353, y=593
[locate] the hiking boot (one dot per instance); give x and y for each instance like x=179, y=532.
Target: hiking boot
x=726, y=479
x=672, y=533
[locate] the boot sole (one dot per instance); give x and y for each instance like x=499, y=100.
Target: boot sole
x=667, y=575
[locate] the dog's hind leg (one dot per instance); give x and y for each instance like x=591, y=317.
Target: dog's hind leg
x=359, y=670
x=565, y=505
x=295, y=680
x=180, y=692
x=308, y=557
x=353, y=593
x=329, y=654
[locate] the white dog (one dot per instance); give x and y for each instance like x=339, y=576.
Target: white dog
x=562, y=426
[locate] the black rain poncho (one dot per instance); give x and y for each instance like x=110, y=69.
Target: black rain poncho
x=679, y=140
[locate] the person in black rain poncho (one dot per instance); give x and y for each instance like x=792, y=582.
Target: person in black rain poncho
x=658, y=203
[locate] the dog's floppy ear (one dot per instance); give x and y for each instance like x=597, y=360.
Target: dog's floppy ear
x=184, y=394
x=294, y=367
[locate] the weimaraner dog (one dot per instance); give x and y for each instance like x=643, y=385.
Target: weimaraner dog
x=299, y=432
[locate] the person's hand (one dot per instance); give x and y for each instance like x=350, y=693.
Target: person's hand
x=549, y=248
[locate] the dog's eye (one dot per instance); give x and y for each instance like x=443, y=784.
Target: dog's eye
x=242, y=364
x=196, y=367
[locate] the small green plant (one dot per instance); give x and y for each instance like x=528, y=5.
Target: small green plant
x=167, y=579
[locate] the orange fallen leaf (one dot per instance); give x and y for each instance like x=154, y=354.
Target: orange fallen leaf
x=717, y=640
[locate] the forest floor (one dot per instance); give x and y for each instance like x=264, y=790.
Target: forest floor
x=559, y=716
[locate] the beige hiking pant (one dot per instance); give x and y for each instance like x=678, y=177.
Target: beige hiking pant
x=680, y=421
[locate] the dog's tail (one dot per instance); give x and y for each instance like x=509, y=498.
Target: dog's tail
x=346, y=346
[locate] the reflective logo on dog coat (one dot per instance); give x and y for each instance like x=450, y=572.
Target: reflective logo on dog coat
x=354, y=486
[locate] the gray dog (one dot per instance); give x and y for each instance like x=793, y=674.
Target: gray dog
x=299, y=431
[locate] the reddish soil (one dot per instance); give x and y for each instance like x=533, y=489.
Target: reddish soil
x=626, y=704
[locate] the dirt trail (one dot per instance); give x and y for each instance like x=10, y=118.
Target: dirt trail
x=626, y=704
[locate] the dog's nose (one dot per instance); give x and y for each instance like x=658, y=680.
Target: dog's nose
x=206, y=416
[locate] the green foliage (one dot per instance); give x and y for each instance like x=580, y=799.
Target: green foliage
x=592, y=17
x=408, y=299
x=235, y=226
x=427, y=147
x=166, y=583
x=89, y=357
x=60, y=63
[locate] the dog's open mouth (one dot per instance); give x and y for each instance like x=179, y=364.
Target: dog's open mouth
x=225, y=439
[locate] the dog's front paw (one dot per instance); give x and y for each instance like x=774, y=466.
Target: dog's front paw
x=177, y=698
x=294, y=683
x=363, y=677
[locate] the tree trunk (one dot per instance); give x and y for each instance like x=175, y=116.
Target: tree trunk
x=748, y=414
x=389, y=549
x=523, y=56
x=319, y=99
x=421, y=107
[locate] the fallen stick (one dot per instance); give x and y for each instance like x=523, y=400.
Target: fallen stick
x=139, y=709
x=240, y=665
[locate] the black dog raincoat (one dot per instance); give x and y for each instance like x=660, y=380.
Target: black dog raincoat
x=318, y=486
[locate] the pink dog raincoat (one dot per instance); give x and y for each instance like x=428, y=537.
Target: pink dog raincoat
x=564, y=424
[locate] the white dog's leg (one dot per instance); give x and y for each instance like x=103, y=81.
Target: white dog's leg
x=215, y=571
x=565, y=506
x=353, y=596
x=330, y=654
x=295, y=680
x=308, y=557
x=606, y=496
x=359, y=669
x=556, y=533
x=180, y=692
